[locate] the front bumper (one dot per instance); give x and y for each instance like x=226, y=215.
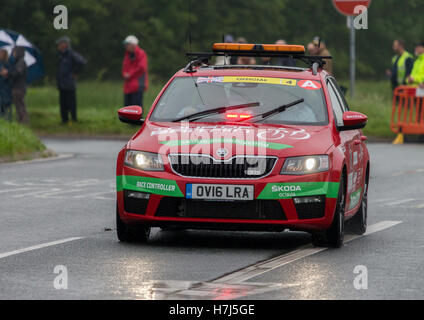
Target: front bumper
x=273, y=208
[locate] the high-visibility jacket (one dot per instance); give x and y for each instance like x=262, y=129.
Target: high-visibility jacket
x=418, y=70
x=401, y=70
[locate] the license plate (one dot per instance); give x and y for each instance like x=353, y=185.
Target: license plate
x=219, y=192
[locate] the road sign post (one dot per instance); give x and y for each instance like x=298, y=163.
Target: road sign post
x=352, y=57
x=347, y=8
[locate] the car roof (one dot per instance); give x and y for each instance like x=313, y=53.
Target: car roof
x=253, y=71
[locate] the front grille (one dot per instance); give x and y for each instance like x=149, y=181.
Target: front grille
x=241, y=167
x=186, y=208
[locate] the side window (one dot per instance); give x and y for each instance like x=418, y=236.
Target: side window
x=335, y=102
x=340, y=94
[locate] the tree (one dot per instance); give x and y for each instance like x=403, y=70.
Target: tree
x=97, y=28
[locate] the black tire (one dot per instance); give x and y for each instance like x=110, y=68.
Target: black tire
x=126, y=233
x=358, y=224
x=334, y=236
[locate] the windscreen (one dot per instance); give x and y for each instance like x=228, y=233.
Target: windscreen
x=190, y=95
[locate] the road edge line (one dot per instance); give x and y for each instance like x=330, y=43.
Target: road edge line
x=61, y=156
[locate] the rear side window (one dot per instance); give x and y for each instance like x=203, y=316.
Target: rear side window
x=337, y=105
x=340, y=94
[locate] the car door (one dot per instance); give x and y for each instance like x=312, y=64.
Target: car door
x=350, y=144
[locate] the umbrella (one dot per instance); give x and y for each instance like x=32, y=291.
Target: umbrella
x=33, y=58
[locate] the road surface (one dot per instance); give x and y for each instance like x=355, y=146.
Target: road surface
x=57, y=240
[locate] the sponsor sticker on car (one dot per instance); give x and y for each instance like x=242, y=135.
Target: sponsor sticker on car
x=229, y=79
x=299, y=189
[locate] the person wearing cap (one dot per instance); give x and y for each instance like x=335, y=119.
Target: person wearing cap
x=402, y=64
x=321, y=50
x=312, y=50
x=70, y=65
x=134, y=72
x=417, y=74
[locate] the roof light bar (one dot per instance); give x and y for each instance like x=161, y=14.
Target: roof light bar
x=256, y=48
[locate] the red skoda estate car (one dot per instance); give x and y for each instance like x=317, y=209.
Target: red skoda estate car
x=255, y=147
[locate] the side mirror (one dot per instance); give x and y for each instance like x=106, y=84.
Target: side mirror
x=353, y=120
x=131, y=115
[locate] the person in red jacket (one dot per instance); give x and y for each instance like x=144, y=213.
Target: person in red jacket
x=134, y=72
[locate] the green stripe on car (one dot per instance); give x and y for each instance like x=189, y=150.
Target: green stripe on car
x=299, y=189
x=162, y=187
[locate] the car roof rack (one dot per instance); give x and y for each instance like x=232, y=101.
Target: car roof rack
x=258, y=67
x=255, y=50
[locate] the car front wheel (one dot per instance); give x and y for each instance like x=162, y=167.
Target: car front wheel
x=126, y=233
x=358, y=224
x=334, y=236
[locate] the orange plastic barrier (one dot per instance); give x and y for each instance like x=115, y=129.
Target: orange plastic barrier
x=407, y=113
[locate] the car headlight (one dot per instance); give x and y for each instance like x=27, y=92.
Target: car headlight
x=306, y=165
x=145, y=161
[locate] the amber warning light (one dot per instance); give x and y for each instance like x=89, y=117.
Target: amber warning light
x=248, y=47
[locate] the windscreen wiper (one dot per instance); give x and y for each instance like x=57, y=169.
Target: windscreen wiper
x=202, y=114
x=275, y=111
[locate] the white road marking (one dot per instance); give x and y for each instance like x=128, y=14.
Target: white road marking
x=394, y=203
x=35, y=193
x=54, y=194
x=377, y=227
x=37, y=247
x=183, y=290
x=380, y=200
x=15, y=190
x=304, y=251
x=56, y=188
x=396, y=174
x=97, y=196
x=419, y=206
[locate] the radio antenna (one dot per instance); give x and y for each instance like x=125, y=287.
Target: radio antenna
x=189, y=24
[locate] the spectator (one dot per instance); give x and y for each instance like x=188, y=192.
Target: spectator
x=321, y=50
x=285, y=62
x=244, y=60
x=5, y=87
x=417, y=74
x=402, y=64
x=134, y=72
x=312, y=50
x=221, y=60
x=18, y=76
x=70, y=65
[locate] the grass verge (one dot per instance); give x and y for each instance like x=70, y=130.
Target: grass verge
x=98, y=104
x=18, y=142
x=374, y=98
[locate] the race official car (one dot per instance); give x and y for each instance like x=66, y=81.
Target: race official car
x=246, y=147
